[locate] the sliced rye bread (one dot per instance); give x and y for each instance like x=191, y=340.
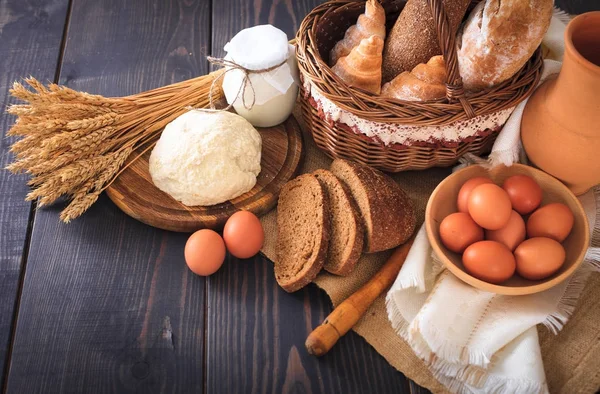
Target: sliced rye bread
x=303, y=232
x=347, y=233
x=388, y=213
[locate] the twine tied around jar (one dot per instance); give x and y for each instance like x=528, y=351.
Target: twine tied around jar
x=232, y=65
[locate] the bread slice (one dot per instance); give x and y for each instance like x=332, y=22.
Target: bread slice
x=387, y=212
x=346, y=242
x=303, y=231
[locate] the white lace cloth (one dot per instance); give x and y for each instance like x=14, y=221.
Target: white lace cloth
x=479, y=342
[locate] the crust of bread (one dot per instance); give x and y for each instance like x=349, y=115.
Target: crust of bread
x=394, y=218
x=498, y=38
x=389, y=215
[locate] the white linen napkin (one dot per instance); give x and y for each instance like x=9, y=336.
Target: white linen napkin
x=479, y=342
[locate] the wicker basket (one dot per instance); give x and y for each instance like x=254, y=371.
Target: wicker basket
x=318, y=33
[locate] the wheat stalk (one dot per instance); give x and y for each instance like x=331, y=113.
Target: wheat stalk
x=75, y=144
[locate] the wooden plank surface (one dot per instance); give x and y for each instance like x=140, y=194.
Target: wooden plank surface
x=30, y=40
x=256, y=335
x=108, y=304
x=256, y=331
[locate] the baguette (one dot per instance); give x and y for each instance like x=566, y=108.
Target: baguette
x=498, y=38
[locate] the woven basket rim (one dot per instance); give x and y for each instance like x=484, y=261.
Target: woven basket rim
x=316, y=73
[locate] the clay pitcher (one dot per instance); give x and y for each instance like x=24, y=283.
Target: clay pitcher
x=560, y=129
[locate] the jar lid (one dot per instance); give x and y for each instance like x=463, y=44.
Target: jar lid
x=258, y=47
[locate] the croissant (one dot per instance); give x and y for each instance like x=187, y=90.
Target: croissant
x=424, y=82
x=372, y=22
x=362, y=67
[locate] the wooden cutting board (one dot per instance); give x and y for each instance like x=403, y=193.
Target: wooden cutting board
x=135, y=194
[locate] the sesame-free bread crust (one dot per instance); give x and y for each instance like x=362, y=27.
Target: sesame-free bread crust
x=303, y=232
x=498, y=38
x=346, y=242
x=388, y=213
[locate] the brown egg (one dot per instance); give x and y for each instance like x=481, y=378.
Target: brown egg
x=510, y=235
x=204, y=252
x=243, y=234
x=524, y=193
x=489, y=261
x=538, y=258
x=465, y=191
x=489, y=206
x=553, y=221
x=458, y=231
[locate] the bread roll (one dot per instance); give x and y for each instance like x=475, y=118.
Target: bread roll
x=413, y=38
x=362, y=67
x=424, y=82
x=498, y=38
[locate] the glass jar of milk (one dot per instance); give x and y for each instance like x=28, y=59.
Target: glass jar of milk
x=269, y=71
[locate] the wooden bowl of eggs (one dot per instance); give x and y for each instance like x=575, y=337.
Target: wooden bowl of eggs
x=508, y=230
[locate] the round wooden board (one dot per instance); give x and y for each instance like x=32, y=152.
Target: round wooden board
x=135, y=194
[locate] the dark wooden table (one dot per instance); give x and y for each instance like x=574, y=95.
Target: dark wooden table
x=107, y=304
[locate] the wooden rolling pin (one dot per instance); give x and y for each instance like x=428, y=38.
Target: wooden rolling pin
x=345, y=316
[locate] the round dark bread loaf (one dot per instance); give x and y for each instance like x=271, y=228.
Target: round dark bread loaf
x=413, y=39
x=388, y=213
x=303, y=232
x=346, y=242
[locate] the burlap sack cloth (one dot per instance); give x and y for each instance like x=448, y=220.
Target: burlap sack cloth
x=571, y=359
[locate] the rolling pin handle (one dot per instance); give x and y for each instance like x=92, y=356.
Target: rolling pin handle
x=322, y=339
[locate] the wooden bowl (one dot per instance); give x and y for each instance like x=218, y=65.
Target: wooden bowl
x=443, y=202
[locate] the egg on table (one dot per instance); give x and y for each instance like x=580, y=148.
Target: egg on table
x=204, y=252
x=243, y=234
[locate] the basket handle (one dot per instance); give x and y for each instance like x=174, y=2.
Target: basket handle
x=447, y=41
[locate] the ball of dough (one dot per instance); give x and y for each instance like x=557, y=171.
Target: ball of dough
x=206, y=157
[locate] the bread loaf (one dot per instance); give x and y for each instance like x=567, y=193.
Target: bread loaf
x=425, y=82
x=362, y=67
x=413, y=39
x=498, y=38
x=303, y=232
x=387, y=212
x=370, y=23
x=346, y=241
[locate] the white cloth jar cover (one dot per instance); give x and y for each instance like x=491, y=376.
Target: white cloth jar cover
x=474, y=341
